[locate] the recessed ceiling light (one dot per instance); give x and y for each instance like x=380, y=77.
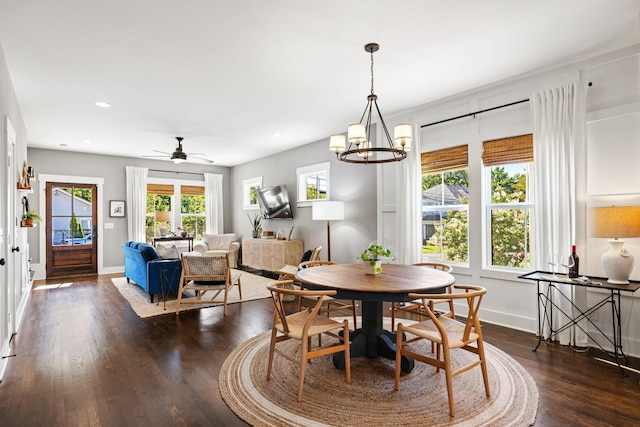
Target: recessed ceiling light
x=102, y=104
x=88, y=141
x=276, y=135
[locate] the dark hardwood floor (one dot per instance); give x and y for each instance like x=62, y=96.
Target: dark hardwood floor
x=84, y=358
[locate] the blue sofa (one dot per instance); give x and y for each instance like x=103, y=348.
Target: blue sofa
x=155, y=275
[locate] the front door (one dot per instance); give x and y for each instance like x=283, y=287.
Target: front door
x=71, y=229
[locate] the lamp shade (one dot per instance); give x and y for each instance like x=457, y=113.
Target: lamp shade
x=163, y=216
x=614, y=222
x=403, y=135
x=328, y=210
x=337, y=143
x=356, y=133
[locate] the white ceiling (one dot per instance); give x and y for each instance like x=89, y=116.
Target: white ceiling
x=229, y=75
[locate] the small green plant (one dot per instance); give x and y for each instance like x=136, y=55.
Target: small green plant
x=256, y=224
x=373, y=254
x=32, y=215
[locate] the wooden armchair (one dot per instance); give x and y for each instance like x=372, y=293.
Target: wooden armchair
x=288, y=272
x=448, y=334
x=416, y=305
x=303, y=325
x=207, y=273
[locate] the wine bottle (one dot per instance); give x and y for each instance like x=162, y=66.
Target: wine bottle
x=573, y=270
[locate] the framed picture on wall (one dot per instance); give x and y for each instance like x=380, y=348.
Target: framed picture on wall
x=116, y=208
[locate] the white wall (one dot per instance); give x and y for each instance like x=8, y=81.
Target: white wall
x=613, y=157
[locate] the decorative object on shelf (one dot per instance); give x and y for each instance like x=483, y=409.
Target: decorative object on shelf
x=184, y=231
x=327, y=210
x=256, y=225
x=163, y=217
x=615, y=222
x=116, y=208
x=28, y=218
x=371, y=258
x=25, y=180
x=360, y=134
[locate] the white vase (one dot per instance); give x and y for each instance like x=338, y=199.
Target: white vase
x=372, y=269
x=617, y=263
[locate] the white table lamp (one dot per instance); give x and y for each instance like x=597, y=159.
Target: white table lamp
x=615, y=222
x=327, y=210
x=163, y=217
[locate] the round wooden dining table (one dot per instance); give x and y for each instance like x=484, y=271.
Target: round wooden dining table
x=393, y=285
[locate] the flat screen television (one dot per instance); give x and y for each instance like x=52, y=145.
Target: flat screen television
x=274, y=202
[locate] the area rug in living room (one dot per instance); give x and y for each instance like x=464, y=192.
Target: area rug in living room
x=370, y=399
x=253, y=287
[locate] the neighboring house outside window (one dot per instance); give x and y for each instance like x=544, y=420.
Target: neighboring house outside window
x=508, y=196
x=445, y=205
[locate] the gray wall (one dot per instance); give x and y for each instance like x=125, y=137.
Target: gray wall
x=112, y=169
x=353, y=184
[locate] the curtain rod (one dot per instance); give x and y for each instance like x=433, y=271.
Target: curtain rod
x=479, y=111
x=177, y=172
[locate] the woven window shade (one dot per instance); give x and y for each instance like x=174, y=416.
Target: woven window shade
x=516, y=149
x=162, y=189
x=191, y=190
x=445, y=160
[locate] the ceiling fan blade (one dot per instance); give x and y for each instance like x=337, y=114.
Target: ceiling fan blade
x=199, y=160
x=197, y=154
x=156, y=157
x=162, y=152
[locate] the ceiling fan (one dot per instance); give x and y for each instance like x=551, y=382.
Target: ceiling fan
x=179, y=156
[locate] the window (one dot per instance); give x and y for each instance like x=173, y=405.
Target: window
x=159, y=197
x=445, y=205
x=313, y=183
x=71, y=215
x=508, y=200
x=250, y=189
x=192, y=210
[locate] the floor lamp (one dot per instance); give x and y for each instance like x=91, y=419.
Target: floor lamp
x=327, y=210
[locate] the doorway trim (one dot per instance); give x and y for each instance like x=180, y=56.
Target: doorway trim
x=41, y=268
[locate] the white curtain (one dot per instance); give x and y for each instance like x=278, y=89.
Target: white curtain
x=409, y=205
x=136, y=203
x=213, y=203
x=559, y=117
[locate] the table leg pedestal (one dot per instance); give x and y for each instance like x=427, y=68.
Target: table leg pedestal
x=371, y=340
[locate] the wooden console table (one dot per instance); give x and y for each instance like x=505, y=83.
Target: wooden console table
x=271, y=254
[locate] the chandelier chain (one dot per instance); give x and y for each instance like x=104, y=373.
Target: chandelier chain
x=372, y=73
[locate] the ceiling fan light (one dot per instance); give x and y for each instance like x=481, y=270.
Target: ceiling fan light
x=178, y=160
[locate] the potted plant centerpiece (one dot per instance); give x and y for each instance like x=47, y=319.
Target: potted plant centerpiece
x=371, y=258
x=256, y=225
x=28, y=217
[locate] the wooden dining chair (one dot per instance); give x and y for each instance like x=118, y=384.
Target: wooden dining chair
x=416, y=305
x=332, y=303
x=302, y=326
x=210, y=273
x=288, y=272
x=448, y=334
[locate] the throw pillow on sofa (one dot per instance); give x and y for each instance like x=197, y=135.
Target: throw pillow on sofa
x=168, y=252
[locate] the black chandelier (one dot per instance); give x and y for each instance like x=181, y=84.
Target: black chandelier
x=360, y=149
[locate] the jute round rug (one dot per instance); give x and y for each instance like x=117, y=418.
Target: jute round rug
x=370, y=399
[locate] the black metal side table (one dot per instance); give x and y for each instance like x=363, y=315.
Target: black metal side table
x=169, y=273
x=547, y=305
